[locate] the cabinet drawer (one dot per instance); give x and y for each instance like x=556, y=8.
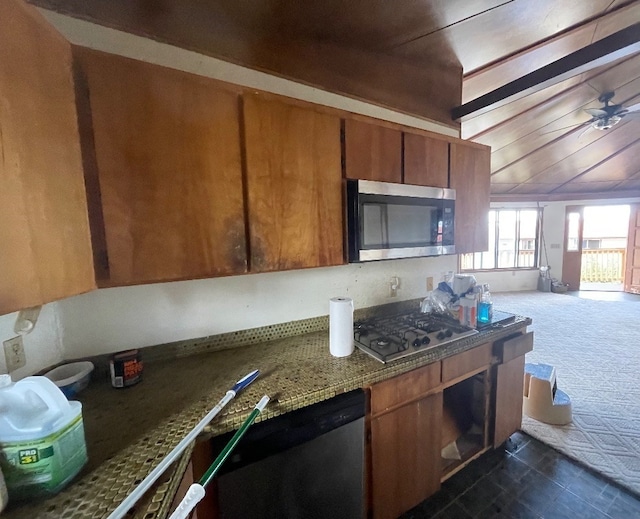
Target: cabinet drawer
x=466, y=362
x=404, y=388
x=514, y=347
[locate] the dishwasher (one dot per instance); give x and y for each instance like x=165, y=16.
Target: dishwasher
x=307, y=463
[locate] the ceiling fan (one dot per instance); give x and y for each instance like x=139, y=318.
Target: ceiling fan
x=610, y=114
x=606, y=117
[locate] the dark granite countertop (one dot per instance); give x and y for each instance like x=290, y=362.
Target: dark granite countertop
x=129, y=431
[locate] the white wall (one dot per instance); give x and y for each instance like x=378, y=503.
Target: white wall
x=120, y=318
x=43, y=346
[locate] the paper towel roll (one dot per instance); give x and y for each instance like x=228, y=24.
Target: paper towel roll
x=341, y=326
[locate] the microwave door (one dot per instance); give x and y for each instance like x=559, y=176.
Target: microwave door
x=412, y=225
x=374, y=226
x=394, y=227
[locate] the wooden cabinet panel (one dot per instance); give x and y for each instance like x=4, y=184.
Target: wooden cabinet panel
x=509, y=388
x=404, y=388
x=372, y=152
x=44, y=231
x=470, y=176
x=167, y=150
x=466, y=362
x=514, y=347
x=294, y=186
x=405, y=456
x=426, y=161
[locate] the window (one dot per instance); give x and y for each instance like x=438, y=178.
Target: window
x=513, y=241
x=573, y=231
x=591, y=244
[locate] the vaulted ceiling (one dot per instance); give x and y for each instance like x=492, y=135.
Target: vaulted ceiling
x=428, y=57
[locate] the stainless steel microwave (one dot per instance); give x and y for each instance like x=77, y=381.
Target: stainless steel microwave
x=386, y=220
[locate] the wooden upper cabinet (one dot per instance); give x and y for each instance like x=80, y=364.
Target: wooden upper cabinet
x=426, y=161
x=168, y=169
x=470, y=176
x=372, y=152
x=44, y=232
x=294, y=185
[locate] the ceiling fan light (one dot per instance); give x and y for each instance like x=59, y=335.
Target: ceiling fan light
x=606, y=122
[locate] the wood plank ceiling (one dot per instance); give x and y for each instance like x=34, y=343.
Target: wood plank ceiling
x=412, y=55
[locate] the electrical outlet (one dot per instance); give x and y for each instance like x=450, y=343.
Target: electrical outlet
x=429, y=283
x=14, y=353
x=394, y=284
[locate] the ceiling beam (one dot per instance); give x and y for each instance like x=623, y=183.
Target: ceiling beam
x=616, y=46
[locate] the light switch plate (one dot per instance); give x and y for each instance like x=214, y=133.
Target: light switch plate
x=14, y=353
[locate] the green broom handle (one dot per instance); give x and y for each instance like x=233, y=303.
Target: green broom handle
x=196, y=491
x=217, y=463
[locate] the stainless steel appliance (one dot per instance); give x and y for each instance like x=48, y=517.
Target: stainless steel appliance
x=391, y=338
x=305, y=464
x=386, y=220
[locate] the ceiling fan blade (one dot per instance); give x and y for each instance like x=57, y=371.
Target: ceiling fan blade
x=586, y=130
x=595, y=112
x=565, y=128
x=633, y=108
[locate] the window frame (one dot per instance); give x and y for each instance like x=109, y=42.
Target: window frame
x=496, y=251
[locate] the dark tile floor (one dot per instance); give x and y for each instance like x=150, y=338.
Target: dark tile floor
x=526, y=479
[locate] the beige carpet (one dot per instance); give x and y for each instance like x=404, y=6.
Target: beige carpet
x=595, y=348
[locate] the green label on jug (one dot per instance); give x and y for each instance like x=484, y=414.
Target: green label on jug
x=44, y=466
x=28, y=456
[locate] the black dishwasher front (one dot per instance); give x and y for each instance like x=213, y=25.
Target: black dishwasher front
x=307, y=463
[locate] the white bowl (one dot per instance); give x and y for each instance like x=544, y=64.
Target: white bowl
x=71, y=378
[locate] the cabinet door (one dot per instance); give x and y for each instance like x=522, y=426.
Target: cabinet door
x=426, y=161
x=294, y=186
x=44, y=231
x=167, y=151
x=509, y=390
x=405, y=456
x=470, y=176
x=372, y=152
x=404, y=388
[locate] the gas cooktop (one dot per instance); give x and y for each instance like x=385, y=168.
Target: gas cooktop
x=391, y=338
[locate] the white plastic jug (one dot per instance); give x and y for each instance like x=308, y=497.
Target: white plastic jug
x=4, y=496
x=41, y=437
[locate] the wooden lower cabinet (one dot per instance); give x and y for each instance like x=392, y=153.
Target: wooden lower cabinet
x=508, y=407
x=473, y=398
x=405, y=456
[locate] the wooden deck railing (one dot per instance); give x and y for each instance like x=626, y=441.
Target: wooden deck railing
x=603, y=265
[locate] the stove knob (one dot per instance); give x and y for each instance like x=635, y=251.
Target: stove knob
x=448, y=333
x=416, y=343
x=425, y=340
x=440, y=336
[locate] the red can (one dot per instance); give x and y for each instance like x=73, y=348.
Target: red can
x=126, y=368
